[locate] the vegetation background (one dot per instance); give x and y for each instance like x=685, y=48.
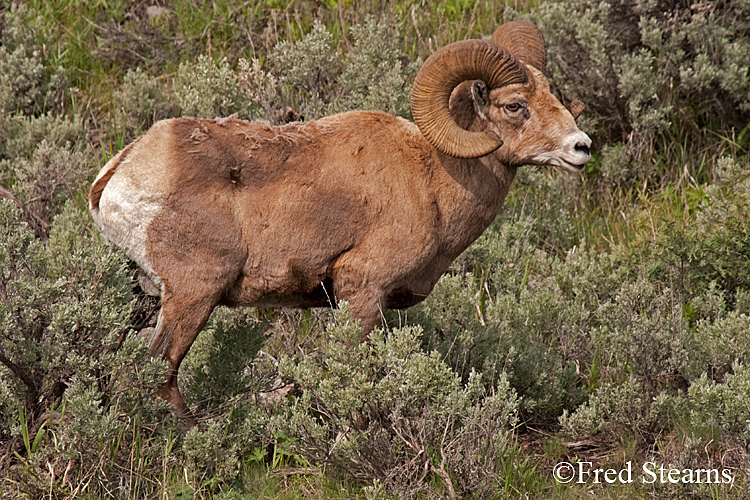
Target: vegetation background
x=603, y=317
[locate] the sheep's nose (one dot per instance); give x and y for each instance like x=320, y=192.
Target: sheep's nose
x=577, y=150
x=582, y=147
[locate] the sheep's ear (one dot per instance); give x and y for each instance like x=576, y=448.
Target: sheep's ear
x=576, y=108
x=480, y=95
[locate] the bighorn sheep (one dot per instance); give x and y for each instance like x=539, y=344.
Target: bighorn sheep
x=360, y=206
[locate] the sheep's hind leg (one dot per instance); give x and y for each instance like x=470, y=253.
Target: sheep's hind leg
x=195, y=250
x=181, y=319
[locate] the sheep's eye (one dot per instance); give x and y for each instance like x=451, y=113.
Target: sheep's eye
x=513, y=107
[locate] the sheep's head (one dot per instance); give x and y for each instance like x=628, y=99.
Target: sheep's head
x=501, y=102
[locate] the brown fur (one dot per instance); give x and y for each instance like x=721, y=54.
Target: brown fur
x=357, y=207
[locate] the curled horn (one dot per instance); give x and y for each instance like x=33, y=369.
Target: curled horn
x=525, y=41
x=440, y=74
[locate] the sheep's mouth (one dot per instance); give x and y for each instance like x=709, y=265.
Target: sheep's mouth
x=559, y=162
x=571, y=167
x=574, y=155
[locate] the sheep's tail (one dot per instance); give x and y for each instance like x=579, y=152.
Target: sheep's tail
x=106, y=174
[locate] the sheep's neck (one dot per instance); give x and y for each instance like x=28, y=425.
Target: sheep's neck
x=471, y=195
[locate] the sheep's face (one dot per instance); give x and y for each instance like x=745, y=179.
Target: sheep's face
x=535, y=128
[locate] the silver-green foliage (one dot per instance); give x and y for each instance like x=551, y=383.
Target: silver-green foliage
x=27, y=84
x=216, y=370
x=641, y=69
x=712, y=246
x=261, y=86
x=651, y=80
x=67, y=379
x=209, y=89
x=720, y=404
x=317, y=80
x=22, y=134
x=640, y=344
x=51, y=176
x=386, y=410
x=642, y=331
x=374, y=77
x=44, y=156
x=515, y=314
x=307, y=70
x=216, y=379
x=602, y=339
x=668, y=349
x=212, y=454
x=44, y=162
x=141, y=100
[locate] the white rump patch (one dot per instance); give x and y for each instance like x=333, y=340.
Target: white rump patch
x=124, y=215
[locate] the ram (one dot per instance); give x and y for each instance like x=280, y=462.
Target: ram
x=361, y=206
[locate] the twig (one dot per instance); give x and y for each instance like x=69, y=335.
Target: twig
x=5, y=193
x=20, y=373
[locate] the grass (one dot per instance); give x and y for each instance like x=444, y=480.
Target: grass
x=525, y=479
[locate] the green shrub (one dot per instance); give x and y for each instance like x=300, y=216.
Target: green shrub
x=386, y=410
x=643, y=332
x=718, y=406
x=209, y=89
x=651, y=80
x=73, y=385
x=645, y=342
x=374, y=76
x=587, y=420
x=44, y=161
x=720, y=340
x=212, y=454
x=44, y=157
x=619, y=406
x=42, y=183
x=658, y=68
x=548, y=204
x=306, y=71
x=217, y=369
x=316, y=80
x=510, y=316
x=261, y=87
x=530, y=336
x=616, y=166
x=711, y=245
x=22, y=134
x=668, y=348
x=591, y=277
x=27, y=82
x=142, y=101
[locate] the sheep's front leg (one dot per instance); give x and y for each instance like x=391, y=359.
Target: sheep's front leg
x=367, y=308
x=365, y=299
